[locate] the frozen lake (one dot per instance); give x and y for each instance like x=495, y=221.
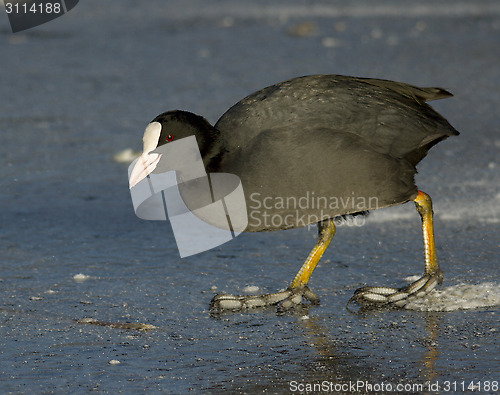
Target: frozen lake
x=80, y=89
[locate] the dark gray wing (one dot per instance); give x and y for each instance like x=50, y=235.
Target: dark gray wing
x=391, y=117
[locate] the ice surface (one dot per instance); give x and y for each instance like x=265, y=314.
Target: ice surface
x=82, y=88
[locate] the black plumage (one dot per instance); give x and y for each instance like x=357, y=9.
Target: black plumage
x=342, y=144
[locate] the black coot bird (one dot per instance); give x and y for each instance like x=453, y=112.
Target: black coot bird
x=314, y=148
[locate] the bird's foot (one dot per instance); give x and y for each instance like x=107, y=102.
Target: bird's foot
x=398, y=297
x=285, y=300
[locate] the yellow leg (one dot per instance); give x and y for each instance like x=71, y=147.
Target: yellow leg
x=297, y=290
x=423, y=203
x=432, y=277
x=326, y=230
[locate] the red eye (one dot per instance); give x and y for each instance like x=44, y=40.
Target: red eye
x=170, y=137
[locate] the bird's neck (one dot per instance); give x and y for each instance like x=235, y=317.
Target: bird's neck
x=213, y=151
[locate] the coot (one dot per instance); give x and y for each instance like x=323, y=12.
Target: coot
x=315, y=148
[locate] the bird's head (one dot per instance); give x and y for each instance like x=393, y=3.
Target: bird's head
x=167, y=128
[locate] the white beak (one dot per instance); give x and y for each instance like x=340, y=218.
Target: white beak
x=143, y=167
x=148, y=161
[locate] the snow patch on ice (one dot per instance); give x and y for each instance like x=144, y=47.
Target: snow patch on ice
x=412, y=279
x=251, y=289
x=459, y=297
x=126, y=156
x=80, y=277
